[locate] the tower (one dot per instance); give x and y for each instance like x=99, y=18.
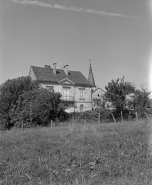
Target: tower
x=91, y=77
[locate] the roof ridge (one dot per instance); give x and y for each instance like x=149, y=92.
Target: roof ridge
x=56, y=69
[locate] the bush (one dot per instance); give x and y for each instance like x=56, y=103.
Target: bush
x=22, y=99
x=39, y=107
x=92, y=116
x=105, y=116
x=9, y=94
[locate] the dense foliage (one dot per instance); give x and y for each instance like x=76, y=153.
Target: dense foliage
x=116, y=92
x=39, y=107
x=9, y=93
x=22, y=99
x=125, y=98
x=141, y=100
x=95, y=116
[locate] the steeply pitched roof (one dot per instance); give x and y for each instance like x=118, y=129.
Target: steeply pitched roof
x=46, y=74
x=91, y=77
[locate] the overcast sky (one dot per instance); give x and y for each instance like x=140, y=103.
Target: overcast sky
x=115, y=34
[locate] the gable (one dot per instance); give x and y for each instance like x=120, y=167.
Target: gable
x=66, y=81
x=98, y=93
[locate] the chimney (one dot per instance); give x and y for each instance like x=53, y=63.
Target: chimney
x=46, y=66
x=66, y=69
x=54, y=68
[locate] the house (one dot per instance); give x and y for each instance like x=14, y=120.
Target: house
x=97, y=97
x=75, y=88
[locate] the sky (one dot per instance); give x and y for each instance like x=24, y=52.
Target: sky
x=115, y=34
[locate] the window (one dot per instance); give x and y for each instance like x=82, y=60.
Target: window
x=81, y=108
x=81, y=94
x=50, y=88
x=66, y=93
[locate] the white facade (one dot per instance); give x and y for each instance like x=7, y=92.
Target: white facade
x=78, y=98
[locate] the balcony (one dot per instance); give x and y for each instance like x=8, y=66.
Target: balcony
x=67, y=98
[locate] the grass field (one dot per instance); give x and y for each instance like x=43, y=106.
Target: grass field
x=108, y=154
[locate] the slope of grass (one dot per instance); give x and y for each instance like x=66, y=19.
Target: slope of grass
x=77, y=154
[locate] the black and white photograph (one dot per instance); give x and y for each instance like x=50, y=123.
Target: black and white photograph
x=75, y=92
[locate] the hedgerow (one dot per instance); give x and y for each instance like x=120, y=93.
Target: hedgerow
x=91, y=116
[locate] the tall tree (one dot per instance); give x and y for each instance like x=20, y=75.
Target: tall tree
x=9, y=93
x=116, y=92
x=141, y=100
x=126, y=98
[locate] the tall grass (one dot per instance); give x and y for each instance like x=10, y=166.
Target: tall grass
x=114, y=153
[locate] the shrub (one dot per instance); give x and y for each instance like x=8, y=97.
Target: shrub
x=92, y=116
x=39, y=107
x=9, y=94
x=22, y=99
